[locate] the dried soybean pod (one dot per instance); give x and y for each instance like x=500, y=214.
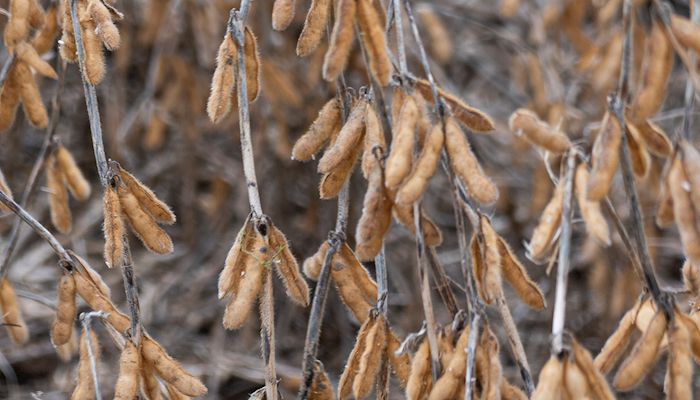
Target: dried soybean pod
x=595, y=379
x=287, y=268
x=550, y=381
x=75, y=180
x=319, y=132
x=374, y=41
x=638, y=152
x=11, y=314
x=679, y=373
x=170, y=370
x=691, y=164
x=687, y=33
x=95, y=67
x=66, y=45
x=85, y=388
x=547, y=226
x=92, y=275
x=478, y=264
x=348, y=139
x=375, y=220
x=46, y=38
x=590, y=210
x=31, y=98
x=236, y=259
x=341, y=40
x=252, y=64
x=314, y=27
x=127, y=387
x=151, y=386
x=642, y=357
x=321, y=386
x=250, y=282
x=333, y=181
x=575, y=384
x=312, y=265
x=538, y=132
x=113, y=228
x=356, y=288
x=691, y=277
x=143, y=225
x=693, y=332
x=62, y=327
x=473, y=118
x=511, y=392
x=37, y=16
x=684, y=211
x=27, y=54
x=374, y=143
x=371, y=358
x=398, y=164
x=404, y=214
x=659, y=63
x=223, y=82
x=17, y=28
x=58, y=197
x=105, y=28
x=353, y=364
x=360, y=276
x=440, y=43
x=9, y=100
x=65, y=352
x=147, y=199
x=605, y=158
x=493, y=281
x=420, y=380
x=99, y=302
x=174, y=394
x=426, y=165
x=448, y=386
x=655, y=139
x=401, y=365
x=282, y=14
x=664, y=213
x=5, y=189
x=516, y=275
x=466, y=166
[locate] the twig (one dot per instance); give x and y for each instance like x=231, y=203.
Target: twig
x=400, y=43
x=564, y=257
x=471, y=354
x=86, y=320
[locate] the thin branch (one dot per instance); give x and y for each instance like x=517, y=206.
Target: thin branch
x=400, y=43
x=469, y=378
x=86, y=320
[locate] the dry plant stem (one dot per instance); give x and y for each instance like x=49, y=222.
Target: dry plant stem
x=689, y=88
x=36, y=169
x=442, y=282
x=86, y=320
x=6, y=69
x=625, y=237
x=400, y=43
x=471, y=354
x=564, y=253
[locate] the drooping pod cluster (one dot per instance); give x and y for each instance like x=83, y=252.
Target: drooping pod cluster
x=11, y=313
x=96, y=22
x=222, y=97
x=259, y=247
x=572, y=375
x=127, y=198
x=493, y=260
x=29, y=33
x=366, y=358
x=62, y=176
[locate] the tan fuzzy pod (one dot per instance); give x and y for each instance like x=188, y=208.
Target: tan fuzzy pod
x=113, y=228
x=466, y=166
x=679, y=373
x=693, y=332
x=686, y=32
x=312, y=265
x=5, y=189
x=404, y=214
x=440, y=42
x=375, y=220
x=550, y=382
x=321, y=386
x=237, y=259
x=85, y=388
x=77, y=184
x=420, y=381
x=223, y=82
x=691, y=277
x=575, y=385
x=150, y=384
x=11, y=314
x=597, y=384
x=473, y=118
x=127, y=387
x=341, y=40
x=659, y=63
x=398, y=164
x=320, y=132
x=66, y=45
x=452, y=380
x=66, y=351
x=374, y=41
x=170, y=370
x=17, y=28
x=374, y=144
x=333, y=181
x=478, y=264
x=66, y=310
x=147, y=199
x=691, y=164
x=492, y=279
x=31, y=98
x=664, y=213
x=605, y=158
x=401, y=365
x=642, y=357
x=58, y=196
x=591, y=212
x=639, y=155
x=511, y=392
x=37, y=16
x=516, y=275
x=348, y=140
x=538, y=132
x=655, y=139
x=249, y=280
x=356, y=288
x=547, y=226
x=92, y=275
x=314, y=27
x=46, y=38
x=27, y=54
x=252, y=64
x=684, y=211
x=99, y=302
x=105, y=28
x=488, y=366
x=353, y=364
x=143, y=225
x=174, y=394
x=287, y=268
x=426, y=165
x=95, y=67
x=154, y=137
x=9, y=100
x=371, y=359
x=282, y=14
